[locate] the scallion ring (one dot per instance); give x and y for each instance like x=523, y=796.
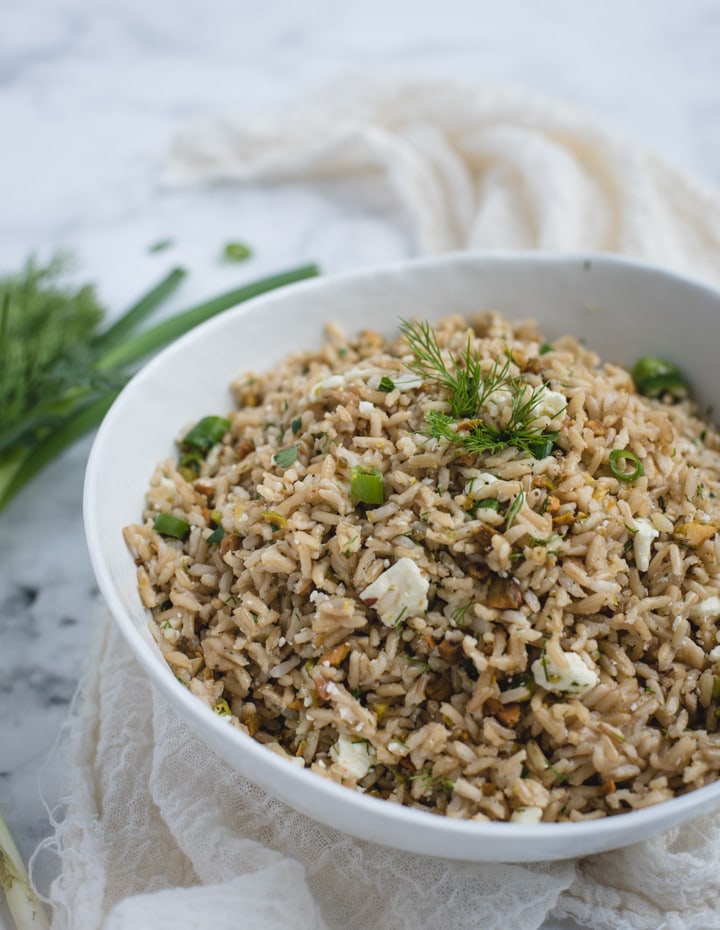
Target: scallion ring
x=367, y=485
x=619, y=459
x=206, y=433
x=654, y=377
x=168, y=525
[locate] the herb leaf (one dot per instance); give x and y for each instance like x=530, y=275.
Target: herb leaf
x=286, y=457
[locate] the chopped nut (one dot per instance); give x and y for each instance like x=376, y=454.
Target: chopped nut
x=251, y=720
x=504, y=595
x=607, y=787
x=248, y=398
x=439, y=690
x=207, y=490
x=553, y=504
x=542, y=481
x=596, y=427
x=229, y=543
x=479, y=572
x=509, y=715
x=451, y=652
x=243, y=449
x=335, y=656
x=483, y=535
x=369, y=337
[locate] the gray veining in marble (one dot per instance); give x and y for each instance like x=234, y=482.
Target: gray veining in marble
x=90, y=96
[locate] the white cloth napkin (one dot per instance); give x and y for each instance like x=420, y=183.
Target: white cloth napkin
x=160, y=833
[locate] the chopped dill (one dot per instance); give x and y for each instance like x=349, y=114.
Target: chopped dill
x=470, y=389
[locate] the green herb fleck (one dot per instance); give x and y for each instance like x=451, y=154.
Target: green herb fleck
x=236, y=252
x=295, y=425
x=459, y=615
x=514, y=509
x=386, y=385
x=161, y=245
x=286, y=457
x=216, y=536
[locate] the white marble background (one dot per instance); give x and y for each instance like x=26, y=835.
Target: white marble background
x=91, y=94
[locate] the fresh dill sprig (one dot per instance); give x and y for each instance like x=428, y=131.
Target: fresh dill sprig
x=463, y=381
x=470, y=389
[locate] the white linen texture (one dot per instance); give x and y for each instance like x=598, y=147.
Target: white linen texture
x=157, y=831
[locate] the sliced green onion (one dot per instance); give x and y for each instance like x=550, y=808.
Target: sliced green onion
x=618, y=465
x=514, y=509
x=386, y=385
x=367, y=485
x=545, y=348
x=542, y=447
x=206, y=433
x=138, y=345
x=236, y=252
x=656, y=376
x=488, y=503
x=216, y=536
x=120, y=331
x=286, y=457
x=168, y=525
x=160, y=245
x=222, y=708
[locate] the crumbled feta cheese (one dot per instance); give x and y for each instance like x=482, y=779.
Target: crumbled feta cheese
x=324, y=385
x=706, y=609
x=399, y=593
x=550, y=403
x=645, y=532
x=356, y=757
x=407, y=382
x=527, y=815
x=476, y=484
x=365, y=407
x=574, y=677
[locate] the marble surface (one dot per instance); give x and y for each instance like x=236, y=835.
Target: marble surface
x=90, y=98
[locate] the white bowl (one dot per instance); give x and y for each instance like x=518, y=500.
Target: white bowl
x=622, y=309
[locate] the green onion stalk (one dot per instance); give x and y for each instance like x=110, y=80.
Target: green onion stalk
x=59, y=375
x=23, y=903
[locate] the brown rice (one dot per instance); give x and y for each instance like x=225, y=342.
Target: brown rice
x=560, y=665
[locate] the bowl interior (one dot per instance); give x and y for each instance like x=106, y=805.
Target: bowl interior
x=622, y=310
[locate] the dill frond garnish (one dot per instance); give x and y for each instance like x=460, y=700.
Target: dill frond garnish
x=471, y=385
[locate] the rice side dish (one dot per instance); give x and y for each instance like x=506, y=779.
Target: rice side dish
x=459, y=568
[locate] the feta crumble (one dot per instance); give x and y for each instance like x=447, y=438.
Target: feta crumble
x=574, y=677
x=355, y=757
x=645, y=532
x=399, y=593
x=527, y=815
